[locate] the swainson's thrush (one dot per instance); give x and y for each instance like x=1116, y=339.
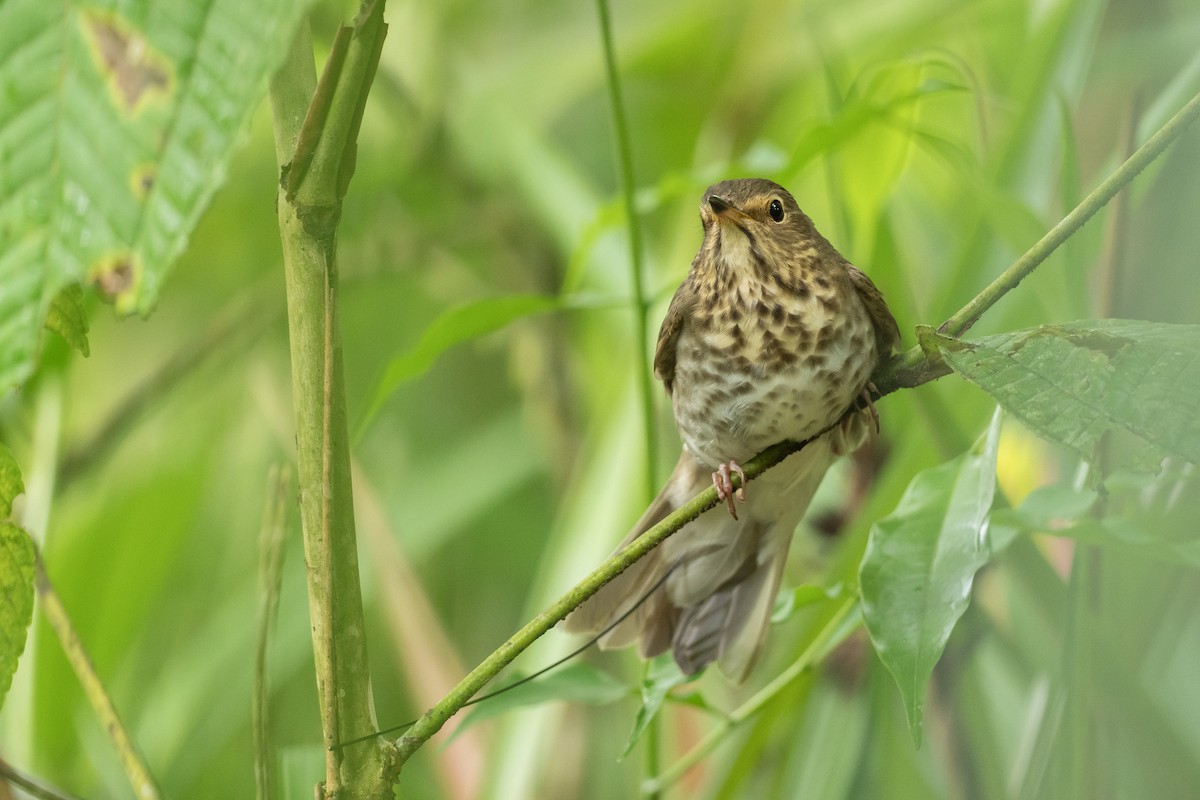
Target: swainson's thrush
x=771, y=336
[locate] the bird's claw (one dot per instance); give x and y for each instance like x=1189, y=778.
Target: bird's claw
x=724, y=485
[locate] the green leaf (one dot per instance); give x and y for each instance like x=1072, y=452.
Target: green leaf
x=452, y=327
x=804, y=595
x=1072, y=383
x=1115, y=532
x=580, y=683
x=920, y=562
x=10, y=480
x=889, y=98
x=1049, y=507
x=116, y=126
x=68, y=318
x=664, y=675
x=16, y=587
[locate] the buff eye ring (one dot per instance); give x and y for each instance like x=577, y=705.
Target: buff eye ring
x=776, y=210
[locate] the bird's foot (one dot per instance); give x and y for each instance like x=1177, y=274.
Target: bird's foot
x=724, y=485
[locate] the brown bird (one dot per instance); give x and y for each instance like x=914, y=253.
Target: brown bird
x=772, y=336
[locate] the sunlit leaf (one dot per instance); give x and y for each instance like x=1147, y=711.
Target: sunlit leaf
x=116, y=126
x=16, y=610
x=919, y=565
x=889, y=98
x=1071, y=383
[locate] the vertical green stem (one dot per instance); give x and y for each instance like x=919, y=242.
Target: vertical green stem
x=308, y=218
x=270, y=567
x=1080, y=777
x=652, y=746
x=640, y=304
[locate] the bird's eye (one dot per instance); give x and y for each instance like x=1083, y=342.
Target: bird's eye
x=776, y=210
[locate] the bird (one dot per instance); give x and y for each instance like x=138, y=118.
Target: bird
x=773, y=335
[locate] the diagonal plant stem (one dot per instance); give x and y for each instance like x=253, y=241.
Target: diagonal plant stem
x=908, y=370
x=969, y=314
x=641, y=305
x=241, y=322
x=35, y=787
x=434, y=718
x=132, y=761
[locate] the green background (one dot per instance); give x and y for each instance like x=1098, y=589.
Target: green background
x=932, y=141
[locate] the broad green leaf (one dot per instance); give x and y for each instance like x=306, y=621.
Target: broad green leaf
x=117, y=122
x=16, y=611
x=662, y=677
x=10, y=480
x=1071, y=383
x=920, y=562
x=580, y=683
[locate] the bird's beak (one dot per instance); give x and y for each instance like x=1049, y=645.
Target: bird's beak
x=718, y=205
x=723, y=208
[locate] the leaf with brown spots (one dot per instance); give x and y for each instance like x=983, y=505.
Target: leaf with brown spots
x=114, y=277
x=119, y=127
x=134, y=70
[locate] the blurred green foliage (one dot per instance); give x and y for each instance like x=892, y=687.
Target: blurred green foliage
x=931, y=140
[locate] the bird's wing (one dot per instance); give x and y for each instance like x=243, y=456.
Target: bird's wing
x=678, y=312
x=887, y=333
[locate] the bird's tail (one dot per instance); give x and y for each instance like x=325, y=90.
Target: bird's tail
x=652, y=624
x=716, y=603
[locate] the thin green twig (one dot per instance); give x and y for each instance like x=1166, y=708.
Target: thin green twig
x=34, y=786
x=641, y=306
x=241, y=322
x=969, y=314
